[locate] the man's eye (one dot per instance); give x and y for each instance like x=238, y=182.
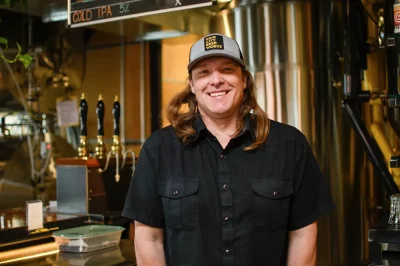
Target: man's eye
x=228, y=69
x=204, y=71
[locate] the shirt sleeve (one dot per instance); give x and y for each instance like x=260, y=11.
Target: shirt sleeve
x=142, y=203
x=311, y=198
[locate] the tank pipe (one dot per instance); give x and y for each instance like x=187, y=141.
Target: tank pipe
x=122, y=82
x=377, y=131
x=142, y=88
x=372, y=149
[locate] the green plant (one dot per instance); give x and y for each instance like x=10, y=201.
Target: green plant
x=25, y=59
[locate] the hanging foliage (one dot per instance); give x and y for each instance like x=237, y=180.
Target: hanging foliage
x=25, y=59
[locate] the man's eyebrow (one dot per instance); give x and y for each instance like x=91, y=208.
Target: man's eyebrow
x=230, y=62
x=202, y=65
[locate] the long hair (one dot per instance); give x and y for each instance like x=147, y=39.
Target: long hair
x=182, y=112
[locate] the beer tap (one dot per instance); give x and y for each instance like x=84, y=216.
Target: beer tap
x=116, y=149
x=117, y=167
x=133, y=160
x=100, y=147
x=116, y=146
x=83, y=149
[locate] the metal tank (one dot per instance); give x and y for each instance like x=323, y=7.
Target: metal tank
x=294, y=51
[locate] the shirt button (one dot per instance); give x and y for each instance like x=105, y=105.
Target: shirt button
x=227, y=251
x=276, y=193
x=222, y=156
x=226, y=219
x=224, y=186
x=176, y=193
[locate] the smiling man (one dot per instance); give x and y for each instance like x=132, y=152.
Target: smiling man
x=223, y=184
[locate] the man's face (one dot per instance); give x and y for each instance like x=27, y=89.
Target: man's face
x=219, y=85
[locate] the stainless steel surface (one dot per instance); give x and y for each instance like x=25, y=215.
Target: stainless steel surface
x=142, y=90
x=122, y=83
x=72, y=189
x=292, y=50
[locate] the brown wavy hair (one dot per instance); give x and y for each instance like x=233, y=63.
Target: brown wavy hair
x=182, y=112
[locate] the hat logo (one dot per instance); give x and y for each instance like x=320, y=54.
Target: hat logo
x=214, y=42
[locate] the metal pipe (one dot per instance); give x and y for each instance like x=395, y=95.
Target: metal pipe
x=142, y=89
x=122, y=83
x=385, y=147
x=371, y=147
x=30, y=76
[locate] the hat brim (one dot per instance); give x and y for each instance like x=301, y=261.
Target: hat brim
x=197, y=60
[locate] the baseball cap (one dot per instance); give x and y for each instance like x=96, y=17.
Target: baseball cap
x=215, y=44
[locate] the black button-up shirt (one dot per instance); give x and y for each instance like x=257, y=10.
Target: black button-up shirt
x=223, y=207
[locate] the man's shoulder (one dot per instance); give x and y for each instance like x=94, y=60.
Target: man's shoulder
x=163, y=136
x=280, y=132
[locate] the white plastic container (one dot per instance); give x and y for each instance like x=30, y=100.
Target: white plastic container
x=88, y=238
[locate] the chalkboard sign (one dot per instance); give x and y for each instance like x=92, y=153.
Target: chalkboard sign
x=89, y=12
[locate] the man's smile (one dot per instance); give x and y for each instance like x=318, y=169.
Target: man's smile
x=217, y=93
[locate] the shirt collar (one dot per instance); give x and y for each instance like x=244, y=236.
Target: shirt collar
x=200, y=127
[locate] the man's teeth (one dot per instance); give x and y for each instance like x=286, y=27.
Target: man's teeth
x=216, y=94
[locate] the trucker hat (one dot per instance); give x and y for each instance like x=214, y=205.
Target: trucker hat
x=215, y=45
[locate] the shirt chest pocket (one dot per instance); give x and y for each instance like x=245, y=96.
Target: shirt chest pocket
x=272, y=202
x=180, y=199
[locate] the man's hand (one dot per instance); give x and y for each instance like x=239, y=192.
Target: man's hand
x=149, y=245
x=302, y=246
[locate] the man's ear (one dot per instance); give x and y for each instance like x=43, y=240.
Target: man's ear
x=191, y=85
x=245, y=77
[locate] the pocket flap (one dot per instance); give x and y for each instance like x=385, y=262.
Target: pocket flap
x=274, y=188
x=177, y=187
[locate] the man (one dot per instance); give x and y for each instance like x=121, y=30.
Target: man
x=224, y=185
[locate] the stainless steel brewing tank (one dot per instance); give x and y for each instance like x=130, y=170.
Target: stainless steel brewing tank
x=293, y=49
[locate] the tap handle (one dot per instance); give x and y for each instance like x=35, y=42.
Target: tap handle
x=116, y=115
x=83, y=112
x=100, y=110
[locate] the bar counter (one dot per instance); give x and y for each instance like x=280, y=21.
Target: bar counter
x=122, y=255
x=14, y=231
x=19, y=246
x=384, y=243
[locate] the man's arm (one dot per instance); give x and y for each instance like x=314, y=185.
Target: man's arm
x=149, y=245
x=302, y=246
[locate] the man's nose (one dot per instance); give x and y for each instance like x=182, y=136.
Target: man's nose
x=216, y=78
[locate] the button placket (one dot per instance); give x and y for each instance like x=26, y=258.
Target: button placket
x=224, y=172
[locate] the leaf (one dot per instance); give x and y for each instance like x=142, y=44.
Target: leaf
x=19, y=48
x=7, y=3
x=3, y=41
x=25, y=59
